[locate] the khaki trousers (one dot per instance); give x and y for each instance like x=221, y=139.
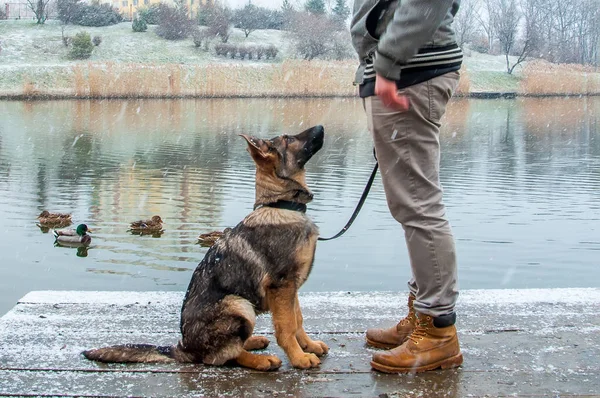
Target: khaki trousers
x=407, y=146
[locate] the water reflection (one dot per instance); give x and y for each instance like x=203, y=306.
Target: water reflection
x=154, y=234
x=521, y=181
x=82, y=251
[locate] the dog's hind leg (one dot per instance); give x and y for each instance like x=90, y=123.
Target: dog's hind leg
x=258, y=362
x=306, y=343
x=230, y=334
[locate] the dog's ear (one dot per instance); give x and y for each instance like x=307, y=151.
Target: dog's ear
x=258, y=148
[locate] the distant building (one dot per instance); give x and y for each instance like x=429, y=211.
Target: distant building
x=19, y=9
x=128, y=8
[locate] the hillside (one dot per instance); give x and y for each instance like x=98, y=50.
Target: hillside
x=34, y=56
x=25, y=43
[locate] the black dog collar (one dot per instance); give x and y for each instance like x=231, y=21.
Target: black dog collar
x=286, y=205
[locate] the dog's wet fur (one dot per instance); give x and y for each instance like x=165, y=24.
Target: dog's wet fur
x=256, y=267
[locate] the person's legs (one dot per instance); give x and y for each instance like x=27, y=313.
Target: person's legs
x=408, y=152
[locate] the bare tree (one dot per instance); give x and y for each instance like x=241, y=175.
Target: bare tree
x=564, y=19
x=594, y=33
x=487, y=16
x=532, y=13
x=248, y=19
x=174, y=22
x=507, y=22
x=315, y=42
x=587, y=32
x=40, y=9
x=465, y=22
x=556, y=30
x=219, y=23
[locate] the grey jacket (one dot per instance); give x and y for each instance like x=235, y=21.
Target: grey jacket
x=393, y=31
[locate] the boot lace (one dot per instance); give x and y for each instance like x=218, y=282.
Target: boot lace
x=420, y=331
x=411, y=318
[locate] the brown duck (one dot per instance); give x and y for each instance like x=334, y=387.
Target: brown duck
x=209, y=239
x=152, y=225
x=48, y=219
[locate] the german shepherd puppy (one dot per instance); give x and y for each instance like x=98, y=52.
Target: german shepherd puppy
x=257, y=266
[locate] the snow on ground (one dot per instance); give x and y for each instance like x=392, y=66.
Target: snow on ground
x=488, y=72
x=484, y=62
x=26, y=46
x=24, y=42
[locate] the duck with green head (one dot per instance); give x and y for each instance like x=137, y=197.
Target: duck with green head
x=73, y=237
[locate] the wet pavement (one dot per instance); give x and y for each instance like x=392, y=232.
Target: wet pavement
x=532, y=342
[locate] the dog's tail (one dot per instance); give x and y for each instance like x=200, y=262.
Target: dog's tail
x=138, y=353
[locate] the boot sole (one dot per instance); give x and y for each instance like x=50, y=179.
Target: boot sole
x=448, y=363
x=377, y=344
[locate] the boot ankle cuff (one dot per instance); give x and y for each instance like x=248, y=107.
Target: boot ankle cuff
x=444, y=321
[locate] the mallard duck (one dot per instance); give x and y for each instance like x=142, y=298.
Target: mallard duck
x=152, y=225
x=54, y=219
x=73, y=237
x=209, y=239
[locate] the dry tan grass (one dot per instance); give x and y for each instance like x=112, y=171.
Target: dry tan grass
x=292, y=78
x=544, y=78
x=288, y=79
x=29, y=88
x=464, y=84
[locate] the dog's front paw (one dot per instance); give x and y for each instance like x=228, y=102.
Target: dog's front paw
x=270, y=362
x=316, y=347
x=306, y=361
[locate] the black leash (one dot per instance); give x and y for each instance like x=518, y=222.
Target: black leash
x=358, y=206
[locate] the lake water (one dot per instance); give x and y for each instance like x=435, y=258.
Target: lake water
x=521, y=181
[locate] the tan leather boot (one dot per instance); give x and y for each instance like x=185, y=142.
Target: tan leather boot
x=396, y=335
x=427, y=348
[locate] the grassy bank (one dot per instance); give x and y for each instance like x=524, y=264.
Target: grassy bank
x=288, y=79
x=34, y=63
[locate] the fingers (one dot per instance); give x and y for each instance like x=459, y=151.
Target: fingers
x=387, y=92
x=393, y=100
x=398, y=102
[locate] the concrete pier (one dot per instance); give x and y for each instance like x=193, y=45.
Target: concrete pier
x=533, y=342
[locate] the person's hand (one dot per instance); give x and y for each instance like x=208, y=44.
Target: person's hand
x=387, y=92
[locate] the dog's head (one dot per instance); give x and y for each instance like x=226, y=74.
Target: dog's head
x=280, y=161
